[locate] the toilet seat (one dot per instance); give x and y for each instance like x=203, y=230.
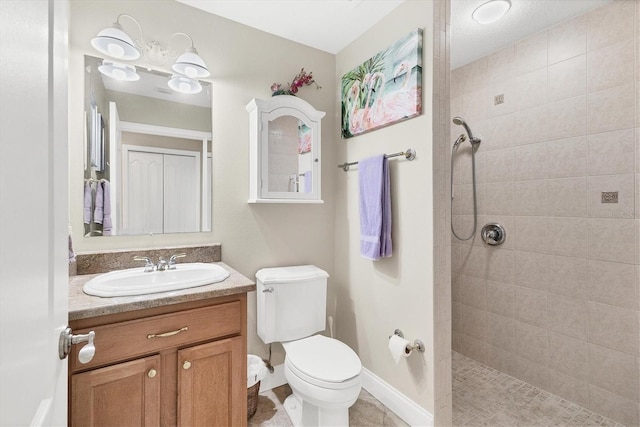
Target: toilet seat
x=323, y=361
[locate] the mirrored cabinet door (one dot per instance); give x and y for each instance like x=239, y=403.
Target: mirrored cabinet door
x=284, y=151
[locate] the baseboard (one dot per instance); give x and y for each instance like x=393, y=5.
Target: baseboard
x=273, y=380
x=410, y=412
x=401, y=405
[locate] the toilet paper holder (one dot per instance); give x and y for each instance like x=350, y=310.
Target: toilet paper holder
x=417, y=344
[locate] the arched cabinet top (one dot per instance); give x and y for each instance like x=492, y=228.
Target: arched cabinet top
x=285, y=101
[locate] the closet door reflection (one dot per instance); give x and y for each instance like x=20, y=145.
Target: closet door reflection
x=162, y=193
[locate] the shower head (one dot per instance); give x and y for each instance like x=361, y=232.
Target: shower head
x=460, y=140
x=460, y=122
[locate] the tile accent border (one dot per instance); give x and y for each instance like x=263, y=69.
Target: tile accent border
x=102, y=262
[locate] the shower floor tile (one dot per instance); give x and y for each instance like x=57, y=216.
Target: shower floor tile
x=483, y=396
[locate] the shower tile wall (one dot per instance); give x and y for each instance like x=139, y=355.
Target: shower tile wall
x=558, y=304
x=441, y=219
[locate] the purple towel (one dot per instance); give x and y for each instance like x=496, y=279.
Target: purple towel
x=308, y=188
x=106, y=208
x=88, y=203
x=375, y=208
x=98, y=210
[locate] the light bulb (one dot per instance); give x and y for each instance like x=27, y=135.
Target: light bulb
x=184, y=87
x=191, y=72
x=115, y=51
x=118, y=74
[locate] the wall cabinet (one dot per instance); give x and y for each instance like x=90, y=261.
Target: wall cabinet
x=284, y=151
x=183, y=365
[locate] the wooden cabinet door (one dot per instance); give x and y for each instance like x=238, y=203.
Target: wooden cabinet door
x=126, y=394
x=212, y=387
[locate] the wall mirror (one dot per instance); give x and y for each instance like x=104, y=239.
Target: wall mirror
x=148, y=165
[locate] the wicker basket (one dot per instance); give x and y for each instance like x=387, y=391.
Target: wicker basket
x=252, y=399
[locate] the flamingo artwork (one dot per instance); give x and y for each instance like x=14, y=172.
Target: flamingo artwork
x=385, y=89
x=394, y=105
x=356, y=114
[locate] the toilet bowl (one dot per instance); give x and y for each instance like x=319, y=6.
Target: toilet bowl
x=323, y=373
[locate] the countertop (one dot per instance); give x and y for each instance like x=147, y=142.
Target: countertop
x=82, y=306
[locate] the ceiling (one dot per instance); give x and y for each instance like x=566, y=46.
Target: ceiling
x=470, y=40
x=336, y=23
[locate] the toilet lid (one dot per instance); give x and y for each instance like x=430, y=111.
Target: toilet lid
x=323, y=358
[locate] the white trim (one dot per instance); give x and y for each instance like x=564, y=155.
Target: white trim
x=164, y=131
x=410, y=412
x=273, y=380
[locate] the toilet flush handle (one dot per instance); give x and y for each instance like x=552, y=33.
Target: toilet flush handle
x=267, y=290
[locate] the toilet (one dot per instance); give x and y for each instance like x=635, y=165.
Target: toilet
x=323, y=373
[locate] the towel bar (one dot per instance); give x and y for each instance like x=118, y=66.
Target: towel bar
x=410, y=154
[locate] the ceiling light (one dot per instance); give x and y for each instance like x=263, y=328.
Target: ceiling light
x=491, y=11
x=115, y=70
x=184, y=84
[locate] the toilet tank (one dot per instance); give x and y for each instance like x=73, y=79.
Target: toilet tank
x=292, y=302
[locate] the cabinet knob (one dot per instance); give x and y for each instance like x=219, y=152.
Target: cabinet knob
x=152, y=373
x=186, y=364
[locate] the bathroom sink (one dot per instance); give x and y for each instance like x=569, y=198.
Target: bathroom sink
x=134, y=281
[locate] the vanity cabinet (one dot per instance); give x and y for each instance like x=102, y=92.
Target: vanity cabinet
x=183, y=364
x=284, y=151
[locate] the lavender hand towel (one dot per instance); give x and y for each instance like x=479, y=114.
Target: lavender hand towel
x=88, y=203
x=98, y=210
x=307, y=182
x=106, y=208
x=375, y=208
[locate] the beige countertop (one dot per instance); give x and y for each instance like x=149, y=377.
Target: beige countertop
x=82, y=306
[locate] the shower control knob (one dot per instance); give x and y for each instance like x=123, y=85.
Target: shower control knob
x=493, y=234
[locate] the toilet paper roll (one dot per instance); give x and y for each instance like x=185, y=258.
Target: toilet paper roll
x=399, y=347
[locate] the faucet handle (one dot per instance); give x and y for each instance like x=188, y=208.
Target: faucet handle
x=149, y=264
x=172, y=260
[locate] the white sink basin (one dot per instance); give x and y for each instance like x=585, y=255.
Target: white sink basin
x=134, y=281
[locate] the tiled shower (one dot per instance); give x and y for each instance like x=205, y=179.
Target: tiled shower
x=558, y=304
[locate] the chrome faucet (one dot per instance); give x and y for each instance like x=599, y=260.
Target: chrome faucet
x=148, y=267
x=162, y=264
x=172, y=260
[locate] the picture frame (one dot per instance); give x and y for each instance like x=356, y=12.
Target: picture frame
x=385, y=89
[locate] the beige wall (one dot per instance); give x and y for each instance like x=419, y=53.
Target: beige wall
x=372, y=299
x=557, y=304
x=244, y=63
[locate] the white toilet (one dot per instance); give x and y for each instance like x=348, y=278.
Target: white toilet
x=323, y=372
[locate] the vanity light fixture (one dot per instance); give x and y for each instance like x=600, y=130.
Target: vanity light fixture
x=118, y=71
x=184, y=84
x=491, y=11
x=116, y=43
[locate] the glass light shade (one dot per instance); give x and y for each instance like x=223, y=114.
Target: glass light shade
x=490, y=12
x=123, y=72
x=184, y=84
x=190, y=64
x=114, y=42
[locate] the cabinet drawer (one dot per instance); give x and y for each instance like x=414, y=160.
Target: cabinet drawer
x=127, y=340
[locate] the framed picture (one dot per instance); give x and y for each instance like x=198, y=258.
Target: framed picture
x=385, y=89
x=304, y=138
